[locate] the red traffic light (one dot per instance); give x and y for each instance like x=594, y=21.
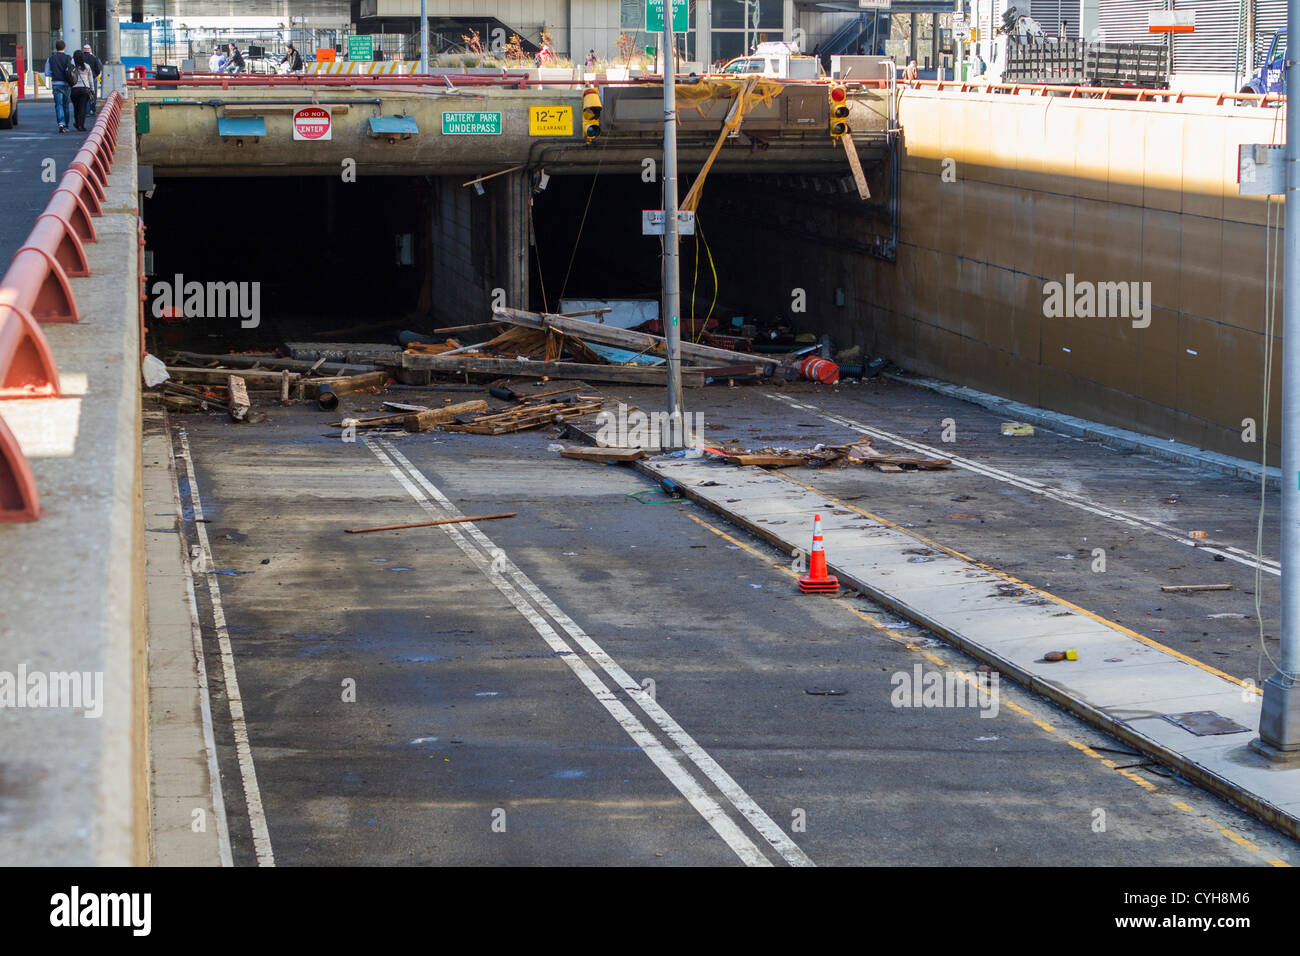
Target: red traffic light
x=837, y=94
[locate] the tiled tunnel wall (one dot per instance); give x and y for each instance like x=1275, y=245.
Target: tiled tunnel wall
x=1002, y=194
x=1038, y=188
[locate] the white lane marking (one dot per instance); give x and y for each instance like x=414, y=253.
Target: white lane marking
x=243, y=750
x=1028, y=484
x=741, y=800
x=205, y=701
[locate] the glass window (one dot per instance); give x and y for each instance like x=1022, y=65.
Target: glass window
x=725, y=46
x=769, y=14
x=728, y=14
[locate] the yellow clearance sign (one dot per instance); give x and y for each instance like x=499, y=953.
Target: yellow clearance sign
x=550, y=121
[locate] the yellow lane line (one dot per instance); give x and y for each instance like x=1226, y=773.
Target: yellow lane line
x=1132, y=777
x=930, y=542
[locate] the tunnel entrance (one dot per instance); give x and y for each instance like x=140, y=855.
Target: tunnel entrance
x=322, y=257
x=326, y=259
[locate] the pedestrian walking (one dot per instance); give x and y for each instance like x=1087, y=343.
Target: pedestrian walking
x=97, y=67
x=217, y=62
x=235, y=60
x=82, y=89
x=58, y=70
x=292, y=59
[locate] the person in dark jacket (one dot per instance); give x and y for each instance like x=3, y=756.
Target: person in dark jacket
x=235, y=62
x=293, y=59
x=83, y=89
x=58, y=69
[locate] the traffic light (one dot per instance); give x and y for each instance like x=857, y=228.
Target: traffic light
x=839, y=111
x=590, y=113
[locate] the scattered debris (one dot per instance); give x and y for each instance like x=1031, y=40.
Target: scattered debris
x=1192, y=588
x=524, y=416
x=429, y=524
x=1017, y=429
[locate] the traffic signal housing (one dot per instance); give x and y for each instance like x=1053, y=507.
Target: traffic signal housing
x=591, y=110
x=839, y=110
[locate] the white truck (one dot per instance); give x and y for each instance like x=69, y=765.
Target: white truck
x=777, y=59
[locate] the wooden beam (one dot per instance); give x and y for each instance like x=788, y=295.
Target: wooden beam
x=641, y=342
x=601, y=453
x=855, y=164
x=482, y=365
x=239, y=405
x=423, y=421
x=430, y=524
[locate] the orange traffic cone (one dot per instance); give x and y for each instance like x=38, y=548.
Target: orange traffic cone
x=817, y=581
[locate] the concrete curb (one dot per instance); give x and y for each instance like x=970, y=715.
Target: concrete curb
x=1274, y=815
x=1109, y=435
x=1268, y=812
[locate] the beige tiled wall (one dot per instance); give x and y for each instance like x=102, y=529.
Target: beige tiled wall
x=1109, y=192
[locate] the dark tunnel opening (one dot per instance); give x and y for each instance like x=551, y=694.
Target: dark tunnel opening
x=327, y=256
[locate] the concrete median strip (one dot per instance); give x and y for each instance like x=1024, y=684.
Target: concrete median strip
x=1122, y=682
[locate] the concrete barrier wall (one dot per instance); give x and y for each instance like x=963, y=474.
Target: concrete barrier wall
x=1003, y=194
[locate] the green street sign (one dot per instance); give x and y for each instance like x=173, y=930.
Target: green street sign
x=654, y=16
x=474, y=123
x=361, y=47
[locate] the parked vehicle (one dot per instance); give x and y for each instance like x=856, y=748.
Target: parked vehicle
x=776, y=59
x=1022, y=53
x=8, y=98
x=1271, y=76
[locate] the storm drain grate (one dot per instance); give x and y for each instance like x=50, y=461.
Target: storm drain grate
x=1205, y=723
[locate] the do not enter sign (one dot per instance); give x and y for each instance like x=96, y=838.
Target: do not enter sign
x=312, y=122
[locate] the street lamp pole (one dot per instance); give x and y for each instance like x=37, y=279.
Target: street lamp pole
x=672, y=290
x=424, y=36
x=1279, y=719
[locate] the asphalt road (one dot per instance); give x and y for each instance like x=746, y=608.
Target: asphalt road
x=26, y=178
x=610, y=678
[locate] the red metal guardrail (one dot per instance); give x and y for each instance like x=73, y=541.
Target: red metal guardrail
x=36, y=290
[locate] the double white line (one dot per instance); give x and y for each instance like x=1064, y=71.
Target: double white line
x=1228, y=552
x=550, y=622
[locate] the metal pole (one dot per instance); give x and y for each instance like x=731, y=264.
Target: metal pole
x=424, y=36
x=1279, y=720
x=31, y=53
x=672, y=291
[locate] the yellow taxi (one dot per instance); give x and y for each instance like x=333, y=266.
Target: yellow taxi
x=8, y=98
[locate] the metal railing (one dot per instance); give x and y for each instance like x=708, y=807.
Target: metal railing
x=35, y=290
x=1125, y=93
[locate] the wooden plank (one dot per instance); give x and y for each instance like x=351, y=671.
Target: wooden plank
x=220, y=376
x=766, y=461
x=855, y=164
x=423, y=421
x=482, y=365
x=600, y=453
x=430, y=524
x=1193, y=588
x=239, y=405
x=642, y=342
x=268, y=362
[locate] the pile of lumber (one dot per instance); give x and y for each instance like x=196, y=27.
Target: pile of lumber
x=556, y=346
x=526, y=415
x=860, y=452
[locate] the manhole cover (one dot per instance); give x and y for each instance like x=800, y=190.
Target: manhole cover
x=1205, y=723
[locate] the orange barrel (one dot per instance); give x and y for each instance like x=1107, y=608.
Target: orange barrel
x=819, y=370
